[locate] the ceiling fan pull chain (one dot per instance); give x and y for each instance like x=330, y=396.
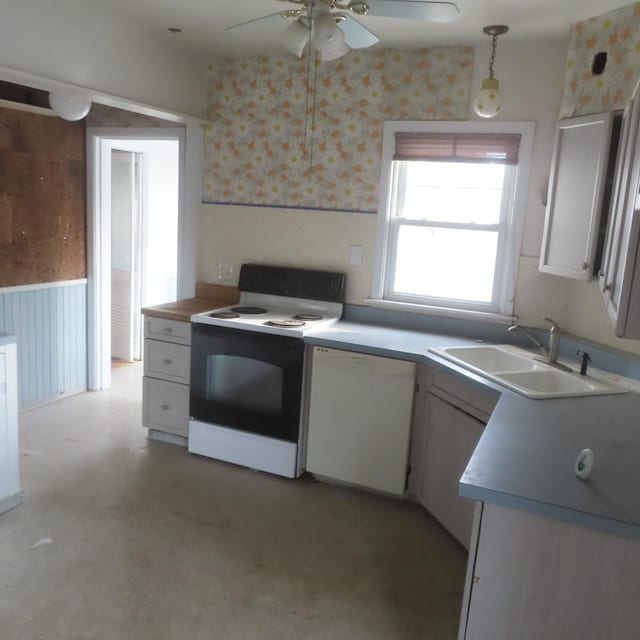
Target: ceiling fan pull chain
x=313, y=106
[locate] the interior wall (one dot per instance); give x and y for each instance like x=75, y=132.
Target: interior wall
x=42, y=199
x=531, y=77
x=288, y=132
x=78, y=43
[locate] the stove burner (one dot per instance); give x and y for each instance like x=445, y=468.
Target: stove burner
x=288, y=323
x=307, y=316
x=225, y=315
x=250, y=311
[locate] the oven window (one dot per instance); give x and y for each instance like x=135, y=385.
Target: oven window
x=247, y=383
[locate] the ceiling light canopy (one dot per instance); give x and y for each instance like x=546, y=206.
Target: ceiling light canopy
x=69, y=107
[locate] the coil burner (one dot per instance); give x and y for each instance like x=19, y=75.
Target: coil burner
x=248, y=310
x=285, y=322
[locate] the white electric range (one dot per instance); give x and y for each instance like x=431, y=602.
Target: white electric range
x=247, y=364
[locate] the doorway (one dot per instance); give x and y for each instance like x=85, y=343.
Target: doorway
x=136, y=192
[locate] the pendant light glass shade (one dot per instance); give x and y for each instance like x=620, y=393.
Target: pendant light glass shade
x=296, y=37
x=69, y=107
x=328, y=38
x=487, y=103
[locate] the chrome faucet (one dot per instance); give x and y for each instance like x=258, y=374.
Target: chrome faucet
x=550, y=354
x=554, y=340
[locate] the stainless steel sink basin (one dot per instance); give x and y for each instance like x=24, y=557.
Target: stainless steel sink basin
x=518, y=370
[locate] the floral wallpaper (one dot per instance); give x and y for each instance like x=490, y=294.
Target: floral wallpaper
x=618, y=34
x=300, y=133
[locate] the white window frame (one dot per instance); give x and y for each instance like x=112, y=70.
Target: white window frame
x=511, y=223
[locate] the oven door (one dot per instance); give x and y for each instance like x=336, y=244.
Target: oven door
x=246, y=380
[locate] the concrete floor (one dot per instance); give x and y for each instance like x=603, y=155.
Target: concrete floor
x=150, y=542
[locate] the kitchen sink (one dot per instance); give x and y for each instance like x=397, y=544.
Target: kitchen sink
x=487, y=358
x=520, y=371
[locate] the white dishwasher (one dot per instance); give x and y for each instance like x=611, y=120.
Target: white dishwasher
x=360, y=411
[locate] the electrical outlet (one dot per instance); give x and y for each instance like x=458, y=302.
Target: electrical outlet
x=224, y=272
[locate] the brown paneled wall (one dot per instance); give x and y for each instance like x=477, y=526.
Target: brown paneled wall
x=42, y=199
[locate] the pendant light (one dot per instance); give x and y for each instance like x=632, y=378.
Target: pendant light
x=487, y=103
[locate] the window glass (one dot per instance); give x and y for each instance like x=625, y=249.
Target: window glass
x=446, y=263
x=452, y=192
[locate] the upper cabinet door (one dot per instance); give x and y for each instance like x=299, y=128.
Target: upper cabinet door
x=576, y=193
x=620, y=274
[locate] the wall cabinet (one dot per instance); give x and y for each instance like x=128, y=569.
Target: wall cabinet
x=10, y=494
x=452, y=414
x=620, y=274
x=576, y=202
x=530, y=577
x=167, y=371
x=359, y=420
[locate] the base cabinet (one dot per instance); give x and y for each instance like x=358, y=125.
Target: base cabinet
x=451, y=437
x=536, y=577
x=451, y=413
x=10, y=494
x=167, y=373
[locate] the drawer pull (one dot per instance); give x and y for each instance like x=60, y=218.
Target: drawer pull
x=165, y=407
x=167, y=329
x=166, y=361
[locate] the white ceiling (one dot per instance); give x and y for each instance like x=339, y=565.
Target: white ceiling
x=204, y=21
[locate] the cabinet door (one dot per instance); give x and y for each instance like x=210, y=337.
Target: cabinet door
x=165, y=406
x=359, y=419
x=167, y=361
x=538, y=578
x=620, y=277
x=451, y=437
x=576, y=192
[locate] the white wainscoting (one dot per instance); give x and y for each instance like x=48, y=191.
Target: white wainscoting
x=50, y=324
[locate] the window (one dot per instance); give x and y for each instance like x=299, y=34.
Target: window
x=452, y=206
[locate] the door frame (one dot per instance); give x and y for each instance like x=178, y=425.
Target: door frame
x=99, y=143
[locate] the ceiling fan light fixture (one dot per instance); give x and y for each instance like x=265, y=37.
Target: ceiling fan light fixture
x=296, y=37
x=488, y=103
x=328, y=38
x=335, y=52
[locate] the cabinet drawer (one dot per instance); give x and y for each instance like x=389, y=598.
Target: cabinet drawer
x=167, y=361
x=165, y=406
x=169, y=330
x=471, y=397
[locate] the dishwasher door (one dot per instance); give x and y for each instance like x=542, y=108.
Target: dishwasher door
x=360, y=411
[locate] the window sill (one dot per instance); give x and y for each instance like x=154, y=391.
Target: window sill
x=424, y=309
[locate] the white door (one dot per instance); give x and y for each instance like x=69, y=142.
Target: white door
x=126, y=246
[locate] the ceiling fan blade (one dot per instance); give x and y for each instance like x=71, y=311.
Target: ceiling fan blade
x=356, y=35
x=272, y=20
x=414, y=10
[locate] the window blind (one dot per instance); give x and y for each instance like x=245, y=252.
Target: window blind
x=500, y=148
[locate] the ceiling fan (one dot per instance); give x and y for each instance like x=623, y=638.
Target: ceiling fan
x=330, y=26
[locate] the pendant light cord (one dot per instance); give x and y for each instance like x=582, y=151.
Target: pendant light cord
x=492, y=57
